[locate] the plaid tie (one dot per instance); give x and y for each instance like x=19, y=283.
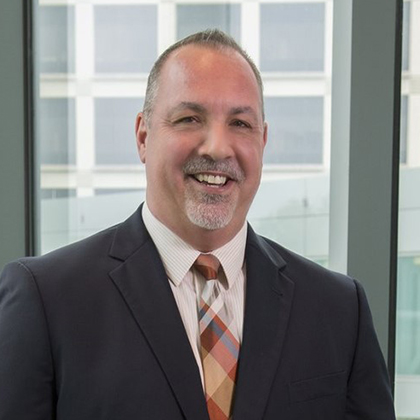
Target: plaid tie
x=219, y=347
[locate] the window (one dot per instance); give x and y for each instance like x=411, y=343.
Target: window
x=406, y=35
x=88, y=127
x=56, y=38
x=194, y=18
x=292, y=37
x=408, y=338
x=110, y=191
x=56, y=131
x=295, y=130
x=408, y=281
x=52, y=194
x=403, y=129
x=126, y=38
x=114, y=130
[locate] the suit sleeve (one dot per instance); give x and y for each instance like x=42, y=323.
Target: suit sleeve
x=26, y=372
x=369, y=393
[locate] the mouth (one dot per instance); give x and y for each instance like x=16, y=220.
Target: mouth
x=216, y=176
x=211, y=180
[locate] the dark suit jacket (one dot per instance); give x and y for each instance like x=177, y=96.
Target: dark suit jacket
x=92, y=331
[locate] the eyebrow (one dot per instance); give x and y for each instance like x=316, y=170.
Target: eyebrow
x=193, y=106
x=196, y=107
x=243, y=110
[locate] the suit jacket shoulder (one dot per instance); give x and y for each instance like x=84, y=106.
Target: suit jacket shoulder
x=306, y=274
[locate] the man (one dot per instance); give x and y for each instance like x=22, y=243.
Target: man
x=141, y=322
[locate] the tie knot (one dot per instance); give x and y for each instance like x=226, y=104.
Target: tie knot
x=208, y=265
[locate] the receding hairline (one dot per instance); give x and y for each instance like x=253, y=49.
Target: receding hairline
x=213, y=39
x=229, y=52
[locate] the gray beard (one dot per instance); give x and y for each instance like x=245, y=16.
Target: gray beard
x=209, y=211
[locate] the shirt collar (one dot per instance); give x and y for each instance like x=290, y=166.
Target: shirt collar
x=178, y=256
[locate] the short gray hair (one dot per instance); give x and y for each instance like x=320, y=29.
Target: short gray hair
x=210, y=38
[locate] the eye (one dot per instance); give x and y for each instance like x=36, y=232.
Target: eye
x=241, y=124
x=187, y=120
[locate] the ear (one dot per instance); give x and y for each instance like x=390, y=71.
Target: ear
x=265, y=134
x=141, y=136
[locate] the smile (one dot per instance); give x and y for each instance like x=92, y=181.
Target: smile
x=214, y=180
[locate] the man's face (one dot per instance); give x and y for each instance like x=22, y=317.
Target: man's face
x=203, y=144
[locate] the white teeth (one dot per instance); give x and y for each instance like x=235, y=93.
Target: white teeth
x=211, y=179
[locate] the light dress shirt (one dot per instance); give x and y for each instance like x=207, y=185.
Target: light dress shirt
x=187, y=284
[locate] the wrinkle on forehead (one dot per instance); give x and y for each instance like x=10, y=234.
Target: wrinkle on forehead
x=192, y=64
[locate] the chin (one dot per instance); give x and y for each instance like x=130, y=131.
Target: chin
x=209, y=217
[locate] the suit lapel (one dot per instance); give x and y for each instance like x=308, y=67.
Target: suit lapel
x=268, y=302
x=143, y=284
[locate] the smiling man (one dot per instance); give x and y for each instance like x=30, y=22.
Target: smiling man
x=202, y=142
x=182, y=311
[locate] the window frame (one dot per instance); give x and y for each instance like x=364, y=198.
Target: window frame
x=360, y=100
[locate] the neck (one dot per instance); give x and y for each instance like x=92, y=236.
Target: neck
x=203, y=240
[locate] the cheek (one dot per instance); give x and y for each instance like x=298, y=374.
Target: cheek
x=171, y=169
x=250, y=158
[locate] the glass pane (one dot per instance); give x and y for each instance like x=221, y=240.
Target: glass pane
x=51, y=193
x=56, y=131
x=403, y=129
x=296, y=130
x=85, y=115
x=114, y=130
x=195, y=18
x=408, y=339
x=406, y=35
x=109, y=191
x=56, y=35
x=125, y=38
x=292, y=37
x=407, y=389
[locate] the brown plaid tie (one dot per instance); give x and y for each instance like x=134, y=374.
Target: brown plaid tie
x=219, y=347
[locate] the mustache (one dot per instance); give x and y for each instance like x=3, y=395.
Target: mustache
x=228, y=167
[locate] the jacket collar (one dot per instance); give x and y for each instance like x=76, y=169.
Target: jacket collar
x=269, y=296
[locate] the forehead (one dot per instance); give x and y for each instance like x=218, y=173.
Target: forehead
x=208, y=72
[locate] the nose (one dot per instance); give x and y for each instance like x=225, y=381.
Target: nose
x=216, y=143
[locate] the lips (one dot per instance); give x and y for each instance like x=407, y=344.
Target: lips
x=213, y=173
x=214, y=180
